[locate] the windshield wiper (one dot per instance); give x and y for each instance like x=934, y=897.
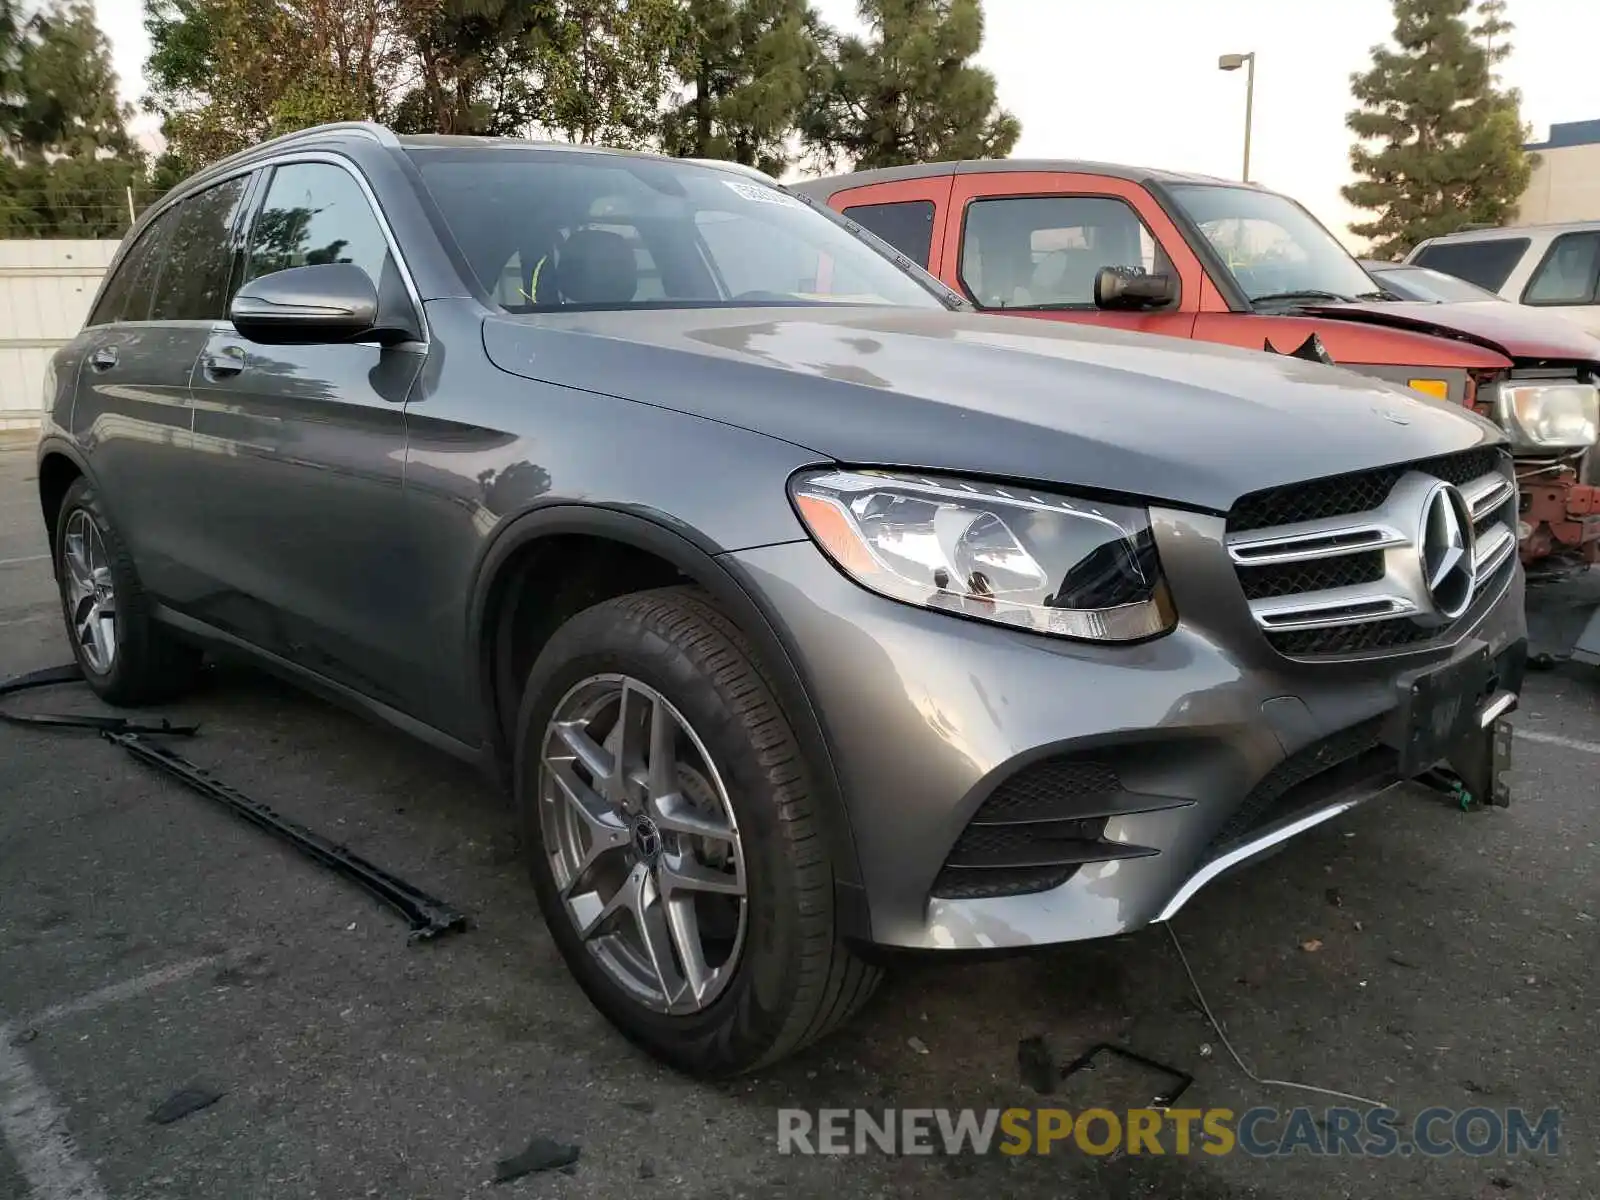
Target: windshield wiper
x=1302, y=294
x=1380, y=294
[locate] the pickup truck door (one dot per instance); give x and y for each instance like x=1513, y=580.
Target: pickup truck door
x=1015, y=239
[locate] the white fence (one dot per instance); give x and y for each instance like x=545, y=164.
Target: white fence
x=45, y=290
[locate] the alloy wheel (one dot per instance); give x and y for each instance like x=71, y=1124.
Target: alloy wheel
x=643, y=844
x=91, y=597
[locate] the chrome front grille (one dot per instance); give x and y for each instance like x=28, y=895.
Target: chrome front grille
x=1336, y=565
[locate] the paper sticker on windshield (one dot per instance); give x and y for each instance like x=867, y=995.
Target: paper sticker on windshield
x=762, y=195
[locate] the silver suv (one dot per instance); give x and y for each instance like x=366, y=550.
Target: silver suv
x=802, y=609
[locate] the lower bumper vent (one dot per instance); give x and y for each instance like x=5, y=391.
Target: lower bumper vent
x=1039, y=826
x=1344, y=759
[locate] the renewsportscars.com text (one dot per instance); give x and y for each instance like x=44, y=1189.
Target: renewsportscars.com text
x=1258, y=1132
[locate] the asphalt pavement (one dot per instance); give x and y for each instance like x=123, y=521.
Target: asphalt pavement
x=150, y=943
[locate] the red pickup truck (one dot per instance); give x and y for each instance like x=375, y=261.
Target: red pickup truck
x=1195, y=257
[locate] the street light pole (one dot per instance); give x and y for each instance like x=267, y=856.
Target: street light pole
x=1232, y=62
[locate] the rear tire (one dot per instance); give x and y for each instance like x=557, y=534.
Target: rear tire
x=789, y=978
x=125, y=656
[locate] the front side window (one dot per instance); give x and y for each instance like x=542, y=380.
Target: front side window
x=193, y=284
x=907, y=225
x=1568, y=273
x=1271, y=246
x=1487, y=262
x=544, y=230
x=1046, y=251
x=315, y=213
x=128, y=293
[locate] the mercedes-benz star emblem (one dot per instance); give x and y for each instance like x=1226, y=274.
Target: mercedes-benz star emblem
x=646, y=839
x=1446, y=546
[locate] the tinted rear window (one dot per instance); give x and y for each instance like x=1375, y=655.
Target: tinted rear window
x=127, y=293
x=907, y=225
x=1487, y=262
x=193, y=284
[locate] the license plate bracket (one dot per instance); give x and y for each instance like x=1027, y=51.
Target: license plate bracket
x=1438, y=710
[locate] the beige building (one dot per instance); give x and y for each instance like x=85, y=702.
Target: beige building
x=1566, y=183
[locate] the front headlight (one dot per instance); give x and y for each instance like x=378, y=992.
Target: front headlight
x=1548, y=416
x=1011, y=555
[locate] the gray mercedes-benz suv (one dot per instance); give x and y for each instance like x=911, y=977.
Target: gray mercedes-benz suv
x=803, y=610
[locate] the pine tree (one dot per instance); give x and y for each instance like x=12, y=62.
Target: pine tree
x=746, y=66
x=1439, y=142
x=908, y=93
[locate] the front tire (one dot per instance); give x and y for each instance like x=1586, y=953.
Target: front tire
x=674, y=839
x=125, y=656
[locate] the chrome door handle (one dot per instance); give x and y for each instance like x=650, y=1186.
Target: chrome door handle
x=223, y=364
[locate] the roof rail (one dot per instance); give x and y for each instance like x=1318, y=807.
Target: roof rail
x=367, y=129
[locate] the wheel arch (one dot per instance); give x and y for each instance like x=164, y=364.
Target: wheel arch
x=643, y=544
x=58, y=467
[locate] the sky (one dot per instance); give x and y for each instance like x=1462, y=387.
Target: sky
x=1136, y=81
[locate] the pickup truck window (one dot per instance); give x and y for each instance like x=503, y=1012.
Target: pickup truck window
x=1568, y=273
x=1487, y=262
x=1031, y=251
x=1271, y=246
x=545, y=230
x=907, y=225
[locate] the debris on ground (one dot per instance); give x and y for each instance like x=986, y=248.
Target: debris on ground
x=1334, y=897
x=1036, y=1065
x=1311, y=945
x=647, y=1169
x=1401, y=960
x=917, y=1044
x=1165, y=1098
x=23, y=1038
x=181, y=1103
x=428, y=917
x=542, y=1154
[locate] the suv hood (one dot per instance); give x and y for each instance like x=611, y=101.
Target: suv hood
x=1044, y=401
x=1515, y=331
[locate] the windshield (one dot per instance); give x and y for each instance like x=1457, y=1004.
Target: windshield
x=546, y=230
x=1271, y=246
x=1420, y=283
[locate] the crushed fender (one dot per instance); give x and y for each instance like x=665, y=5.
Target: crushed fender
x=428, y=916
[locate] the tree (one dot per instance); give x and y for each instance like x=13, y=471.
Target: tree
x=908, y=93
x=480, y=64
x=224, y=74
x=1439, y=142
x=68, y=159
x=747, y=65
x=612, y=68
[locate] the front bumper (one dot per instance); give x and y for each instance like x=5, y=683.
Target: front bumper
x=927, y=715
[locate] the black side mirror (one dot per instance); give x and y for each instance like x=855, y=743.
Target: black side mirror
x=313, y=305
x=1119, y=288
